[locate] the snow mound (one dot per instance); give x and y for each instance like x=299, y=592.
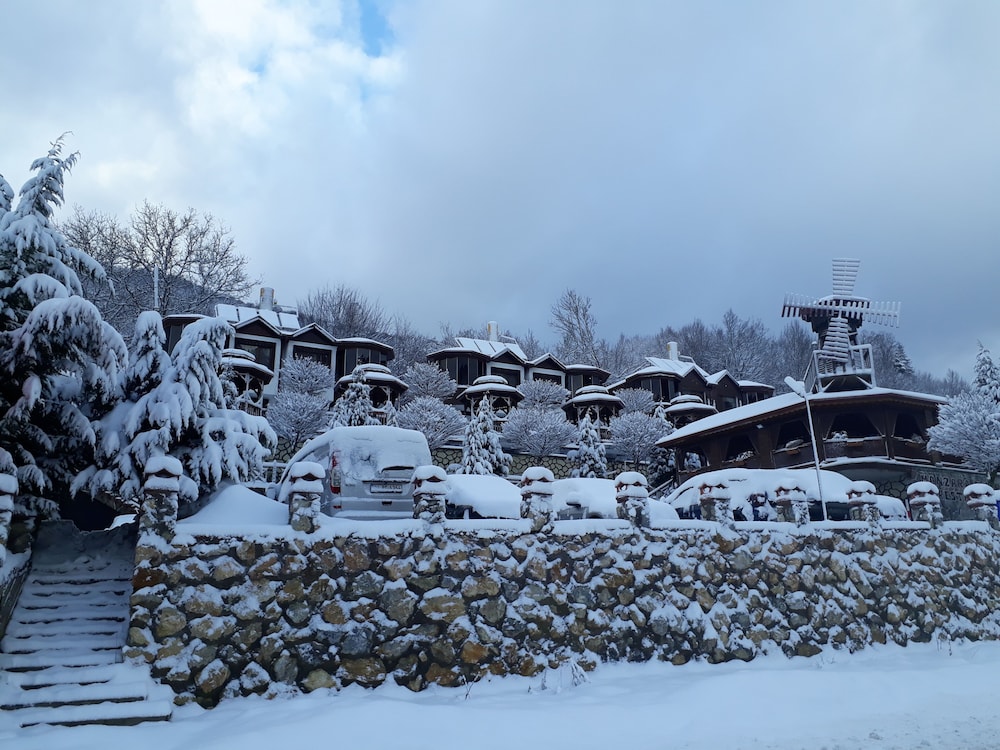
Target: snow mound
x=236, y=504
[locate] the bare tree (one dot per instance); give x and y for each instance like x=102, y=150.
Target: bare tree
x=542, y=393
x=577, y=328
x=636, y=399
x=411, y=347
x=435, y=419
x=426, y=380
x=344, y=312
x=161, y=260
x=538, y=431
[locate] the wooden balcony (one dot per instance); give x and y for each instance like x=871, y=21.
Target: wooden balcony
x=855, y=447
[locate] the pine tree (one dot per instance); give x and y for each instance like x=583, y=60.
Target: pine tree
x=186, y=416
x=590, y=455
x=60, y=363
x=987, y=376
x=481, y=450
x=354, y=407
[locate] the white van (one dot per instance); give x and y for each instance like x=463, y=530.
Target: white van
x=369, y=470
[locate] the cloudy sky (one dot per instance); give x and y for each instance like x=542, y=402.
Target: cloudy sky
x=468, y=161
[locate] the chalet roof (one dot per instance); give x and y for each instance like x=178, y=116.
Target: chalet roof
x=491, y=348
x=362, y=341
x=317, y=328
x=285, y=322
x=245, y=362
x=789, y=401
x=492, y=384
x=664, y=366
x=379, y=374
x=716, y=377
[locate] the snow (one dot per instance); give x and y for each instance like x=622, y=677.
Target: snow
x=938, y=696
x=488, y=495
x=235, y=505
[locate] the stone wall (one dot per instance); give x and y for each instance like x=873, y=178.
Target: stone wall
x=219, y=614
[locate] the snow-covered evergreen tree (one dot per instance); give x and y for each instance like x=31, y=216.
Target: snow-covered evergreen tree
x=435, y=419
x=481, y=450
x=538, y=430
x=300, y=409
x=60, y=363
x=425, y=379
x=969, y=426
x=390, y=417
x=590, y=455
x=987, y=376
x=542, y=393
x=148, y=360
x=354, y=407
x=185, y=416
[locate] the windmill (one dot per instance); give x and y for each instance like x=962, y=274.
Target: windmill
x=839, y=362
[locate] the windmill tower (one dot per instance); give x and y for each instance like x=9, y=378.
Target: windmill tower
x=839, y=363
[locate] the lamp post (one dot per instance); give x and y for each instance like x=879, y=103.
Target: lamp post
x=799, y=388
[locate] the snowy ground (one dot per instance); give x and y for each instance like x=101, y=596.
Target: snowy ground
x=924, y=696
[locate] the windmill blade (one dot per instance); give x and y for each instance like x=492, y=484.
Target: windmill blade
x=837, y=343
x=795, y=303
x=845, y=275
x=883, y=313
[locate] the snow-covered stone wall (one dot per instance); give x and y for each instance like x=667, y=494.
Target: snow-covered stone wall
x=218, y=615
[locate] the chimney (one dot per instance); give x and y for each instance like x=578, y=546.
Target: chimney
x=672, y=352
x=493, y=331
x=266, y=298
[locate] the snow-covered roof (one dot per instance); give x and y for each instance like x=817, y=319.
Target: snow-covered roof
x=664, y=366
x=591, y=394
x=236, y=315
x=375, y=374
x=783, y=401
x=492, y=384
x=491, y=349
x=362, y=341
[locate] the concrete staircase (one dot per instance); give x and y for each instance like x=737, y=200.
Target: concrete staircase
x=61, y=656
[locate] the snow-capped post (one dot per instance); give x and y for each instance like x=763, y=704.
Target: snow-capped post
x=536, y=498
x=161, y=483
x=430, y=488
x=925, y=503
x=8, y=489
x=861, y=504
x=984, y=503
x=632, y=494
x=792, y=504
x=714, y=500
x=304, y=499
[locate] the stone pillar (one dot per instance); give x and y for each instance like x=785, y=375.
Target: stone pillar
x=632, y=494
x=861, y=504
x=925, y=503
x=536, y=498
x=158, y=512
x=8, y=489
x=982, y=501
x=304, y=497
x=430, y=488
x=715, y=503
x=792, y=504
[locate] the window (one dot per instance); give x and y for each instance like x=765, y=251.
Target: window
x=323, y=356
x=262, y=351
x=350, y=357
x=512, y=376
x=463, y=369
x=547, y=376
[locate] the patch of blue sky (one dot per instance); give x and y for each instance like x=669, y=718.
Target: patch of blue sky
x=376, y=35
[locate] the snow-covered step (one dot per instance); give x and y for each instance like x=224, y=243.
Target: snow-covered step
x=133, y=712
x=64, y=695
x=39, y=643
x=38, y=678
x=64, y=614
x=46, y=576
x=62, y=657
x=71, y=627
x=32, y=600
x=74, y=588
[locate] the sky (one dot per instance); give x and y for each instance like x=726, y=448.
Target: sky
x=461, y=162
x=940, y=695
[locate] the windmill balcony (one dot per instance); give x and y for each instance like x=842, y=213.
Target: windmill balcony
x=855, y=447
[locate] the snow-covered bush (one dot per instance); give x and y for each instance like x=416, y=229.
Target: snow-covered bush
x=300, y=408
x=969, y=426
x=543, y=394
x=636, y=400
x=538, y=431
x=435, y=419
x=60, y=363
x=428, y=380
x=635, y=434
